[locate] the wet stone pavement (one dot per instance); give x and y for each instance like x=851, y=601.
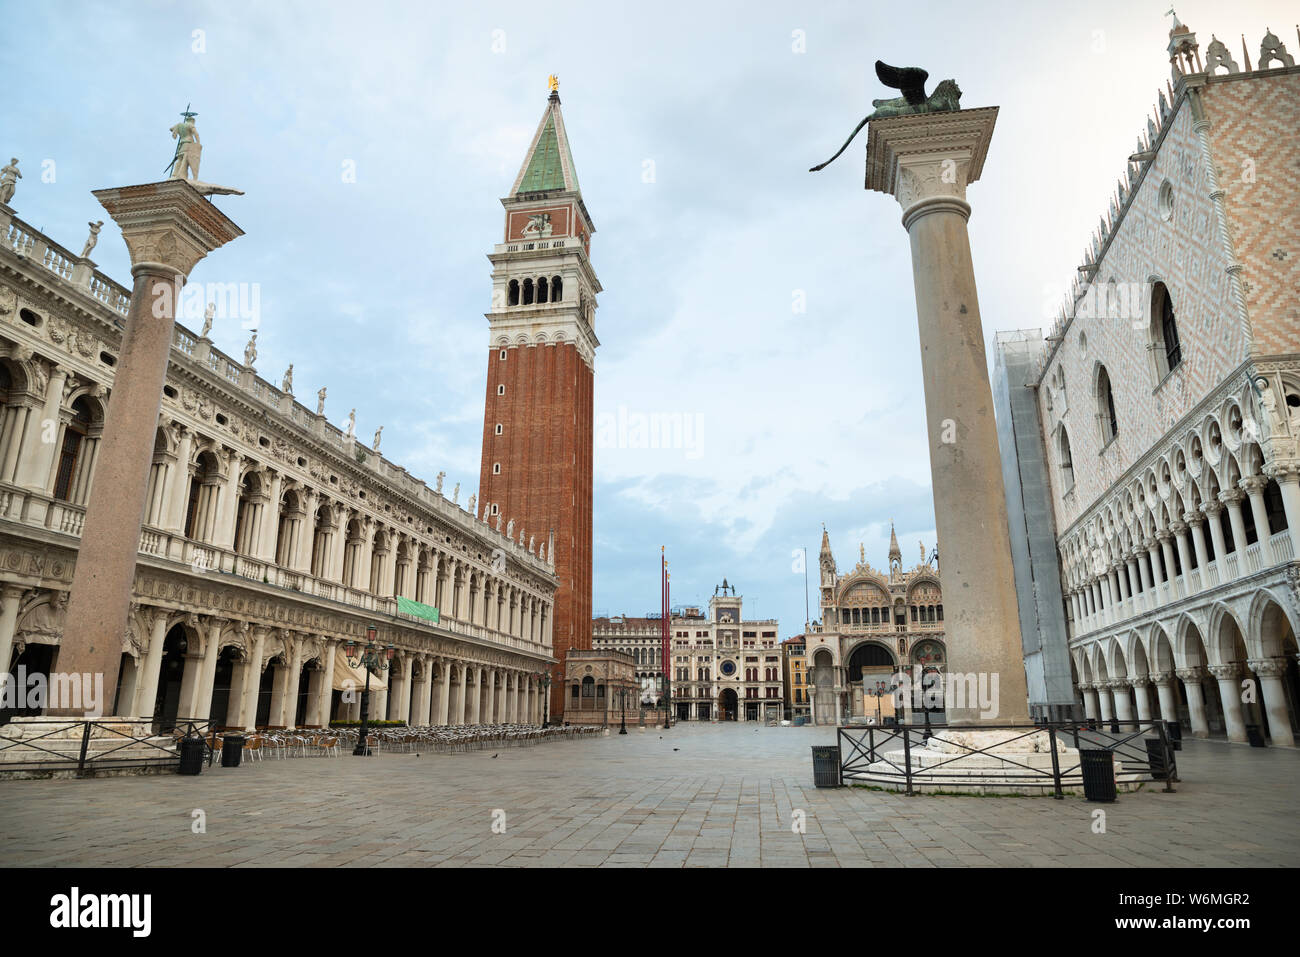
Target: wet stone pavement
x=703, y=795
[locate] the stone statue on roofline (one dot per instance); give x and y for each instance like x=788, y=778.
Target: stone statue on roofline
x=250, y=350
x=379, y=432
x=472, y=500
x=92, y=239
x=441, y=476
x=287, y=385
x=9, y=176
x=320, y=401
x=910, y=81
x=208, y=315
x=455, y=495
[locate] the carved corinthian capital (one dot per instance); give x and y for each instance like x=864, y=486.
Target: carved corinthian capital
x=928, y=159
x=169, y=224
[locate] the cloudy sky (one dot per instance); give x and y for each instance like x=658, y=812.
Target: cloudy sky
x=770, y=307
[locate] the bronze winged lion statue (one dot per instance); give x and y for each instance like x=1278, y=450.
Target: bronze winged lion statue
x=910, y=81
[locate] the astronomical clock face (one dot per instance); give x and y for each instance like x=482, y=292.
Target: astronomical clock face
x=727, y=668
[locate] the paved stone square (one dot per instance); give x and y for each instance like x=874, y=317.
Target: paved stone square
x=696, y=796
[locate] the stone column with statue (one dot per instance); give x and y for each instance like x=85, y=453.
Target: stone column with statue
x=168, y=227
x=924, y=151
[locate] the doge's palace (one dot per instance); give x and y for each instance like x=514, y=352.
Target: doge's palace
x=1168, y=401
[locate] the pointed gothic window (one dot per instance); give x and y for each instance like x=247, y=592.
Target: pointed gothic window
x=1163, y=332
x=1106, y=407
x=1067, y=461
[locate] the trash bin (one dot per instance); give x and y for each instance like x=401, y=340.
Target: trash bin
x=826, y=766
x=232, y=750
x=1254, y=737
x=191, y=755
x=1098, y=767
x=1174, y=731
x=1156, y=758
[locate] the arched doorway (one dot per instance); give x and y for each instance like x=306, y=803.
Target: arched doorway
x=222, y=682
x=167, y=699
x=728, y=706
x=35, y=659
x=870, y=665
x=265, y=691
x=305, y=696
x=822, y=680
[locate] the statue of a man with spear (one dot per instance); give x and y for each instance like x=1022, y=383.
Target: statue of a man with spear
x=185, y=164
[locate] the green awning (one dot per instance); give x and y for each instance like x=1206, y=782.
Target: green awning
x=417, y=609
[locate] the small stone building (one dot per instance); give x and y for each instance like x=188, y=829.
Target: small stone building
x=598, y=685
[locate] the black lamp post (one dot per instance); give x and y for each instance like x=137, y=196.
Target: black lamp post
x=622, y=712
x=370, y=656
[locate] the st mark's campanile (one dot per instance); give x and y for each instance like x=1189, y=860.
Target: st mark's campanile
x=536, y=473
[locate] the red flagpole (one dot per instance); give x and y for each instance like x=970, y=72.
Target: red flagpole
x=663, y=613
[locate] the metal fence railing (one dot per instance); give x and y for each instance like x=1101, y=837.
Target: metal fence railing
x=114, y=748
x=1141, y=750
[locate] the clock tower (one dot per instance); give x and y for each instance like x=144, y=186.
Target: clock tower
x=536, y=469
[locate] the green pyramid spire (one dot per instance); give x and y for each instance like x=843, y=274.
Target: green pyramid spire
x=544, y=170
x=549, y=164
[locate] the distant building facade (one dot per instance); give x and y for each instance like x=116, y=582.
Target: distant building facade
x=794, y=668
x=641, y=639
x=873, y=623
x=724, y=667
